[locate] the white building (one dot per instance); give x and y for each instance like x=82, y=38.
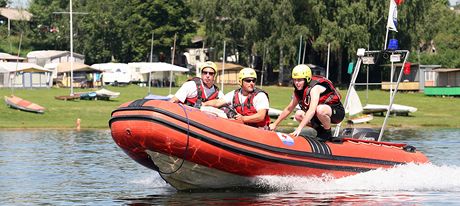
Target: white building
x=44, y=57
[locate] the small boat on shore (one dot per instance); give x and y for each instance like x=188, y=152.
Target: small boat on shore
x=87, y=95
x=23, y=105
x=105, y=94
x=274, y=113
x=68, y=97
x=396, y=109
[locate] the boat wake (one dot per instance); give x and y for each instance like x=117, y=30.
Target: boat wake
x=153, y=179
x=410, y=177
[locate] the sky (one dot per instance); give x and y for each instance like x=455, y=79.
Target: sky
x=454, y=2
x=20, y=3
x=25, y=3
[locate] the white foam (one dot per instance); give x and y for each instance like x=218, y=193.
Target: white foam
x=410, y=177
x=149, y=180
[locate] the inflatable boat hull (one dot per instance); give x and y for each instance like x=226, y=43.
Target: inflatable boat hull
x=192, y=149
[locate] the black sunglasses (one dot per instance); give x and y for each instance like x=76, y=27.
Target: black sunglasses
x=210, y=73
x=249, y=80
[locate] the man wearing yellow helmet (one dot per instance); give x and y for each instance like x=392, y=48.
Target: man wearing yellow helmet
x=250, y=103
x=199, y=90
x=319, y=102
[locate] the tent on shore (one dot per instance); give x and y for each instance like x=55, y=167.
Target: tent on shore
x=27, y=75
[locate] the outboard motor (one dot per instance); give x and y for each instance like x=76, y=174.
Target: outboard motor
x=360, y=133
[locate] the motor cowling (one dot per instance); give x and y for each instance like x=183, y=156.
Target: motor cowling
x=360, y=133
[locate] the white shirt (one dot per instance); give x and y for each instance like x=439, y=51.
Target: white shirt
x=260, y=100
x=189, y=90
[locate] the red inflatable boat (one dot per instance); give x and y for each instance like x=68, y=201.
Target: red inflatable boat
x=192, y=149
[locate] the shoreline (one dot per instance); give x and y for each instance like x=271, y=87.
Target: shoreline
x=282, y=128
x=432, y=112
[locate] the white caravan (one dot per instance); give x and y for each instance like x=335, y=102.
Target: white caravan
x=115, y=73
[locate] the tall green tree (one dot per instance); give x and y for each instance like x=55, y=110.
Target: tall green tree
x=122, y=30
x=439, y=39
x=50, y=29
x=165, y=19
x=4, y=3
x=113, y=30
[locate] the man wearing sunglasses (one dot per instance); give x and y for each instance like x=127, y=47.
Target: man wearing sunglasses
x=199, y=90
x=250, y=103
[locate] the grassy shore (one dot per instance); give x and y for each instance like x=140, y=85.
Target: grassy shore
x=432, y=111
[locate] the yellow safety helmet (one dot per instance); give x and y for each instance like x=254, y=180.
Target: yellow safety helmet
x=246, y=73
x=301, y=71
x=209, y=64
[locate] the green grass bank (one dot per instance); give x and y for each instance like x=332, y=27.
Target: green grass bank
x=432, y=111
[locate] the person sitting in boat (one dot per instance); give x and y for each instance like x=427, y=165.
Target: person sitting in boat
x=319, y=102
x=250, y=103
x=198, y=90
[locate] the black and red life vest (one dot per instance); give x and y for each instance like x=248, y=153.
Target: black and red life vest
x=247, y=107
x=330, y=96
x=200, y=94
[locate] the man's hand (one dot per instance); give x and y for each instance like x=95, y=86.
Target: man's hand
x=297, y=132
x=239, y=117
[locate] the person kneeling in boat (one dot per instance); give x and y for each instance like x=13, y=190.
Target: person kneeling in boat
x=250, y=103
x=198, y=90
x=319, y=102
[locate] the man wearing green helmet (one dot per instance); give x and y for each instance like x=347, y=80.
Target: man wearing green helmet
x=319, y=102
x=251, y=104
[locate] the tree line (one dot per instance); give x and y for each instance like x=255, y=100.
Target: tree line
x=121, y=31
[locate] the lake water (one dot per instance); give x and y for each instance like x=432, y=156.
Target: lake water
x=65, y=167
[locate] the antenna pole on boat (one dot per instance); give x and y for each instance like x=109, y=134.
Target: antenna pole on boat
x=386, y=39
x=392, y=94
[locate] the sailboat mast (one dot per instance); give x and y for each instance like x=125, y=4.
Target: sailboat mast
x=150, y=72
x=17, y=63
x=172, y=62
x=223, y=70
x=151, y=48
x=71, y=50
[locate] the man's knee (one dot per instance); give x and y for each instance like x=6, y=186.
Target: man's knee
x=298, y=117
x=323, y=111
x=299, y=114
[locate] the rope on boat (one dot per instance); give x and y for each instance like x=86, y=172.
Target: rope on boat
x=186, y=146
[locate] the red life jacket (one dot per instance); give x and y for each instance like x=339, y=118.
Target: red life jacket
x=330, y=96
x=200, y=94
x=247, y=108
